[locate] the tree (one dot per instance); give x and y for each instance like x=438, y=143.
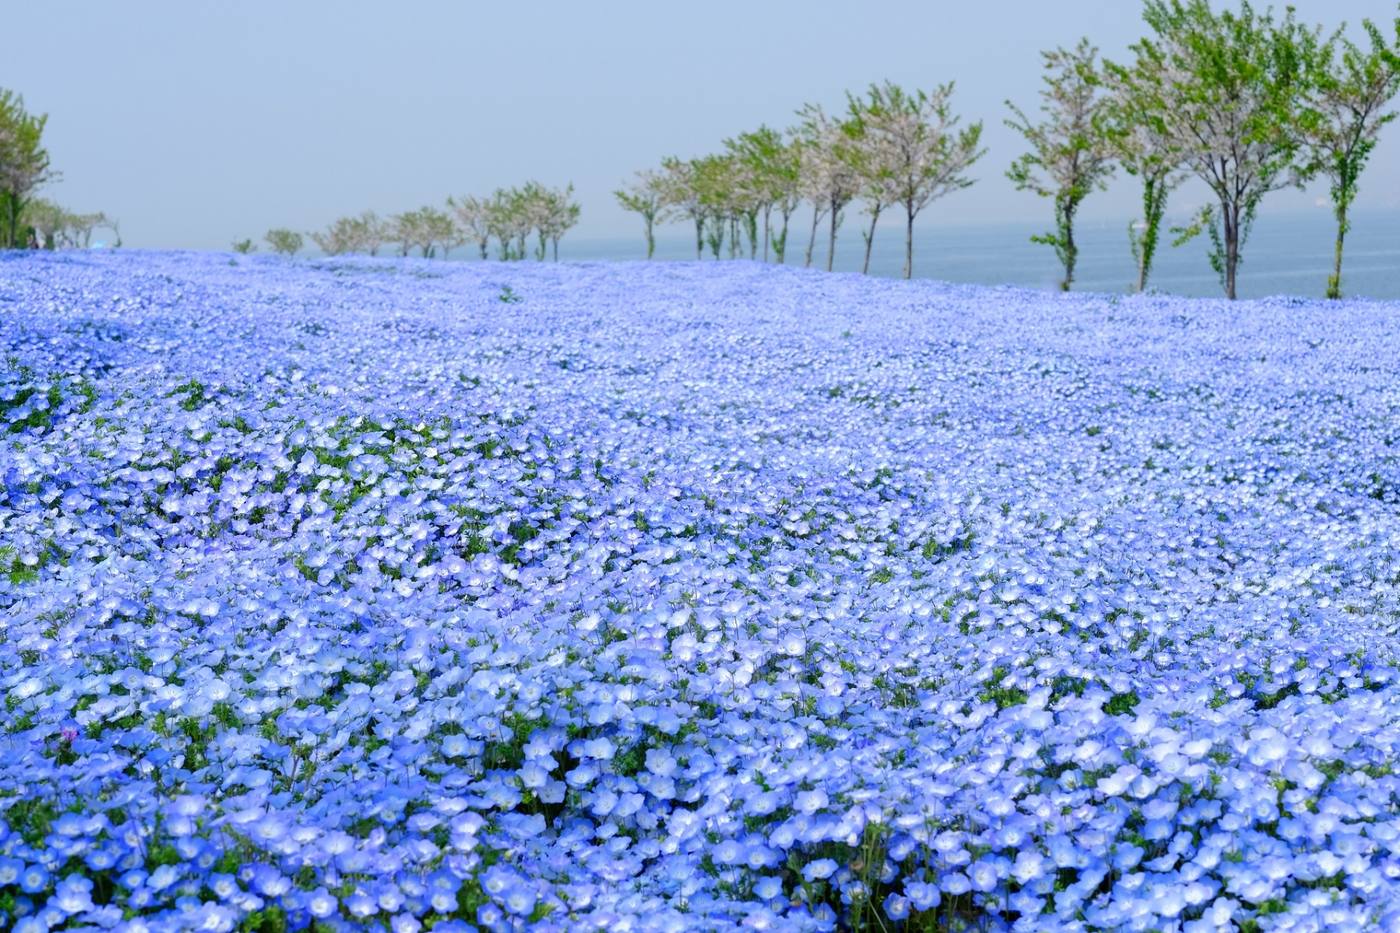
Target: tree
x=923, y=156
x=244, y=246
x=561, y=213
x=472, y=219
x=784, y=175
x=645, y=196
x=439, y=232
x=1229, y=88
x=284, y=242
x=871, y=161
x=24, y=164
x=1069, y=156
x=679, y=181
x=1144, y=146
x=768, y=170
x=829, y=176
x=47, y=220
x=1347, y=97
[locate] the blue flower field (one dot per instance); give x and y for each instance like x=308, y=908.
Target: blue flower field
x=391, y=594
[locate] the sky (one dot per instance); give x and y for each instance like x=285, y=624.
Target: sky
x=197, y=124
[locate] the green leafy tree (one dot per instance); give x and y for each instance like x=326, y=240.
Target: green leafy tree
x=645, y=196
x=1230, y=90
x=1145, y=147
x=24, y=164
x=284, y=242
x=921, y=152
x=1348, y=94
x=244, y=247
x=830, y=172
x=1069, y=157
x=471, y=214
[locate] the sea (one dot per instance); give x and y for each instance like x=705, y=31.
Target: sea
x=1286, y=254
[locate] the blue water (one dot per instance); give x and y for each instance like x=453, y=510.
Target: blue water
x=1285, y=255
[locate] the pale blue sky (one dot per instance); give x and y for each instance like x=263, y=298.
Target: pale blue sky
x=198, y=123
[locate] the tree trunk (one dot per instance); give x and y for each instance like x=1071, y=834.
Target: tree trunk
x=831, y=240
x=554, y=248
x=699, y=237
x=1334, y=283
x=870, y=238
x=482, y=245
x=780, y=253
x=767, y=211
x=651, y=240
x=908, y=240
x=1232, y=249
x=812, y=241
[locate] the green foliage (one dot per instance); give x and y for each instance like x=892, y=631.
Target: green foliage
x=1228, y=89
x=1070, y=156
x=284, y=242
x=24, y=164
x=244, y=247
x=1349, y=89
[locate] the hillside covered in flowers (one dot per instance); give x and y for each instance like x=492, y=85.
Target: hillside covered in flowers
x=379, y=593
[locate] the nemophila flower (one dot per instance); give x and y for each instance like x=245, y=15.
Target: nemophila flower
x=383, y=578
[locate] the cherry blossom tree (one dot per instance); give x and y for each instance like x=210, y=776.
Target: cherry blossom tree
x=1230, y=89
x=916, y=152
x=472, y=220
x=1069, y=157
x=829, y=176
x=645, y=196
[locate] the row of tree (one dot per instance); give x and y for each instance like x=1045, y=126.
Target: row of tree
x=510, y=217
x=1245, y=103
x=889, y=149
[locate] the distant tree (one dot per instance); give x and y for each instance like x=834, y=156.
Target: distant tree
x=471, y=213
x=766, y=163
x=645, y=196
x=24, y=164
x=1230, y=89
x=784, y=175
x=345, y=235
x=922, y=153
x=829, y=173
x=1347, y=99
x=1144, y=145
x=366, y=233
x=78, y=228
x=872, y=162
x=245, y=247
x=284, y=242
x=1069, y=157
x=47, y=220
x=682, y=186
x=439, y=232
x=561, y=213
